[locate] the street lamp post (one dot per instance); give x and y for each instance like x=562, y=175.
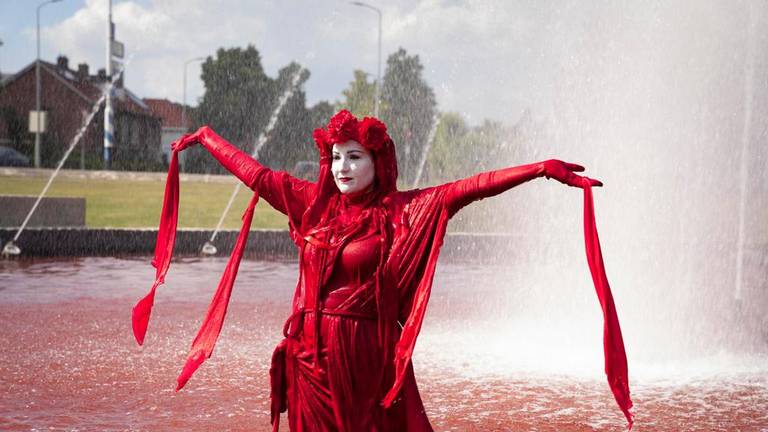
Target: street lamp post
x=377, y=88
x=184, y=92
x=1, y=66
x=37, y=85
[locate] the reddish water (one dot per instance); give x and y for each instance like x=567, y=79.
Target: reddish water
x=70, y=361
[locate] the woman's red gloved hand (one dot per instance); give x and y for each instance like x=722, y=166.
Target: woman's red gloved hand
x=188, y=140
x=564, y=173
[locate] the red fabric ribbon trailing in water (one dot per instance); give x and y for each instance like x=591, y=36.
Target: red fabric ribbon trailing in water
x=166, y=238
x=613, y=344
x=202, y=346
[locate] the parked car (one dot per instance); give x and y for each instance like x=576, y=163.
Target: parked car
x=11, y=157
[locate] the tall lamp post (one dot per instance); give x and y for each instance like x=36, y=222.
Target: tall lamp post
x=1, y=66
x=37, y=85
x=377, y=88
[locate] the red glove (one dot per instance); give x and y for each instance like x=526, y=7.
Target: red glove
x=286, y=194
x=483, y=185
x=232, y=158
x=187, y=140
x=564, y=173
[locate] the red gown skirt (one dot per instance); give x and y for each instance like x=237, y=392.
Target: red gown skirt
x=342, y=390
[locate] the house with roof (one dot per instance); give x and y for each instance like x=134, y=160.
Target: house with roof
x=68, y=96
x=175, y=122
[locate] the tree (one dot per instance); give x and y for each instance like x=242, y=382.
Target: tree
x=238, y=99
x=290, y=141
x=444, y=161
x=289, y=133
x=409, y=110
x=459, y=150
x=483, y=146
x=320, y=114
x=358, y=97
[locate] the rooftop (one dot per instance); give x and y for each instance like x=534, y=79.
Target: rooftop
x=169, y=112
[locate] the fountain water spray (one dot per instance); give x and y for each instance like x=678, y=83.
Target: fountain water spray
x=427, y=145
x=209, y=248
x=749, y=78
x=10, y=248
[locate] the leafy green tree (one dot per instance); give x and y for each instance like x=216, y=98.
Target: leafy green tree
x=409, y=109
x=238, y=100
x=291, y=140
x=459, y=151
x=359, y=96
x=320, y=113
x=445, y=161
x=483, y=146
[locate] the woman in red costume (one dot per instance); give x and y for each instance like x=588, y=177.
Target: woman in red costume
x=367, y=256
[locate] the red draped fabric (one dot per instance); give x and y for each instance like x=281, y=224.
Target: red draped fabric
x=166, y=238
x=366, y=267
x=202, y=346
x=613, y=343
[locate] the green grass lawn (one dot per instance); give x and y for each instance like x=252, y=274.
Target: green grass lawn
x=137, y=203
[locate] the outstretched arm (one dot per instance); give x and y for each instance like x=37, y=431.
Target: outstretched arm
x=487, y=184
x=278, y=188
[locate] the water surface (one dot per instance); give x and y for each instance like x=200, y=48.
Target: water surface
x=71, y=363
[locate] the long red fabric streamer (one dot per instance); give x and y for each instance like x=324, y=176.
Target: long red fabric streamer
x=202, y=346
x=166, y=238
x=613, y=344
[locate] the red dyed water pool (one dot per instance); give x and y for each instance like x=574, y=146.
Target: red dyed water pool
x=70, y=362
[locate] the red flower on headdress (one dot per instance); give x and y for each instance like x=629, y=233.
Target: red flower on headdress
x=373, y=133
x=321, y=139
x=370, y=132
x=343, y=127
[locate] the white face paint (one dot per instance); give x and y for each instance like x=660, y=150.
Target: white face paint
x=353, y=168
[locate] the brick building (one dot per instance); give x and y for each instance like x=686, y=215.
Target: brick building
x=170, y=115
x=68, y=96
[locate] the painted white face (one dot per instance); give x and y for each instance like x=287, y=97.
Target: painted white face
x=352, y=167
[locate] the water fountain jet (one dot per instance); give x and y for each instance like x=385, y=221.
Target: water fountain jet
x=11, y=248
x=425, y=151
x=209, y=248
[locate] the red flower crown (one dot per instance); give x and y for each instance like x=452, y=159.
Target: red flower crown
x=370, y=132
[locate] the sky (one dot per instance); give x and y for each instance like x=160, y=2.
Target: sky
x=477, y=56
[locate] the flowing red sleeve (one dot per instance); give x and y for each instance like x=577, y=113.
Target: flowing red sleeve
x=460, y=193
x=202, y=346
x=465, y=191
x=414, y=254
x=287, y=194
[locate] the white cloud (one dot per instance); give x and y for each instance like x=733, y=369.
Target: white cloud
x=483, y=58
x=467, y=49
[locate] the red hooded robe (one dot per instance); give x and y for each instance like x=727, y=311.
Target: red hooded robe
x=366, y=268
